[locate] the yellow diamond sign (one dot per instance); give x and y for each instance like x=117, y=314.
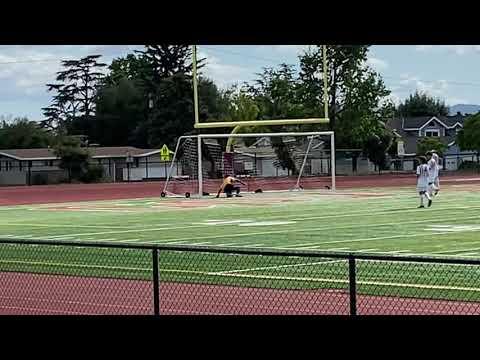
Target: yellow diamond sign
x=165, y=153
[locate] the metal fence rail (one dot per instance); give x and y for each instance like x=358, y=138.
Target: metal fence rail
x=63, y=277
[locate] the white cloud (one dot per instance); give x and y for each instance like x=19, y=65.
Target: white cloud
x=457, y=49
x=439, y=89
x=377, y=64
x=223, y=74
x=295, y=49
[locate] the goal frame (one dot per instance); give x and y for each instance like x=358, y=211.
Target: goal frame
x=275, y=122
x=200, y=137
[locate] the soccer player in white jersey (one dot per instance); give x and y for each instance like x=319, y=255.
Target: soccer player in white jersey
x=433, y=172
x=422, y=181
x=436, y=180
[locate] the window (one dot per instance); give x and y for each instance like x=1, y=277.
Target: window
x=432, y=133
x=432, y=124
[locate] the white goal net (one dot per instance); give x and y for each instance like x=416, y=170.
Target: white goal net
x=263, y=161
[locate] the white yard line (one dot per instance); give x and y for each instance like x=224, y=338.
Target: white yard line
x=329, y=228
x=453, y=250
x=469, y=254
x=65, y=225
x=272, y=267
x=129, y=240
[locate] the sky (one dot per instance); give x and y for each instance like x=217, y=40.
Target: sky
x=445, y=71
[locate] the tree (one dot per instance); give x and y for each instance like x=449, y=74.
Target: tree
x=74, y=92
x=73, y=157
x=120, y=107
x=357, y=95
x=20, y=133
x=430, y=143
x=421, y=104
x=131, y=67
x=172, y=114
x=376, y=148
x=276, y=93
x=469, y=137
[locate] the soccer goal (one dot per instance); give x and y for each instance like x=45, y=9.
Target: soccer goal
x=263, y=161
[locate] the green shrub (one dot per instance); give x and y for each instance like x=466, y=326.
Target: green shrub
x=94, y=173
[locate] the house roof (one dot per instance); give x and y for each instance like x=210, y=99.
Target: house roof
x=415, y=123
x=96, y=152
x=401, y=127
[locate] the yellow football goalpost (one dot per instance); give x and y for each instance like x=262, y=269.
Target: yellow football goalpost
x=196, y=140
x=208, y=125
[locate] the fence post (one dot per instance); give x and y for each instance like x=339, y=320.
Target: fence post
x=156, y=283
x=352, y=284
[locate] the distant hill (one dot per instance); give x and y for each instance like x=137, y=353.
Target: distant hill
x=464, y=109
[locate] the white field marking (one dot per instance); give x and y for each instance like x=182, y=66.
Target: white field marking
x=175, y=242
x=297, y=245
x=435, y=255
x=469, y=254
x=200, y=243
x=330, y=228
x=273, y=267
x=342, y=281
x=136, y=230
x=269, y=232
x=61, y=236
x=101, y=210
x=230, y=244
x=56, y=238
x=73, y=265
x=252, y=245
x=307, y=247
x=337, y=249
x=222, y=222
x=66, y=225
x=268, y=223
x=396, y=251
x=239, y=244
x=364, y=250
x=453, y=228
x=128, y=240
x=352, y=214
x=366, y=212
x=465, y=179
x=453, y=250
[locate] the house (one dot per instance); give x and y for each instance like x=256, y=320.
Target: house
x=260, y=158
x=412, y=129
x=41, y=166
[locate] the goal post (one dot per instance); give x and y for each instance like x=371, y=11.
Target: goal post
x=270, y=122
x=273, y=161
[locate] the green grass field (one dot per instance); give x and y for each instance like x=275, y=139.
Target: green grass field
x=385, y=222
x=377, y=221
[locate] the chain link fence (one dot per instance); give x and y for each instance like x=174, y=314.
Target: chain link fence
x=48, y=277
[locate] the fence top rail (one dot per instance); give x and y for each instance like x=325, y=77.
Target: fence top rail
x=246, y=251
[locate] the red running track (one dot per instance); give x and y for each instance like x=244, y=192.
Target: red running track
x=37, y=294
x=42, y=194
